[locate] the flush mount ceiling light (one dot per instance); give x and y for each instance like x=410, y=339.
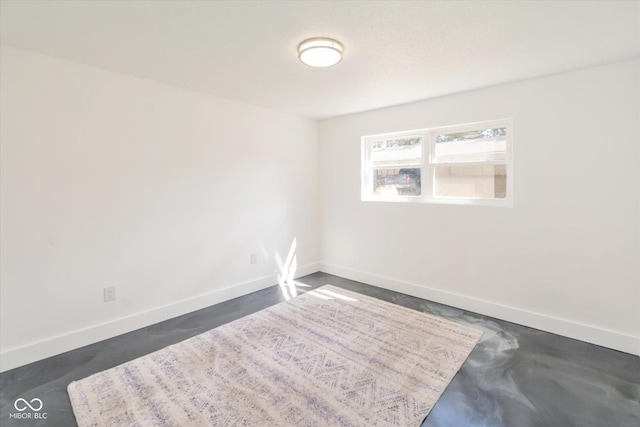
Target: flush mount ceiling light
x=320, y=52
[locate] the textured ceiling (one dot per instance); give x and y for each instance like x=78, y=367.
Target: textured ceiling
x=395, y=52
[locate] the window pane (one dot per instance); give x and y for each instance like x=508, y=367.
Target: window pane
x=396, y=182
x=396, y=151
x=471, y=146
x=471, y=181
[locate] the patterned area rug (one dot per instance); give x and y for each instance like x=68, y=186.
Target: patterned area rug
x=329, y=357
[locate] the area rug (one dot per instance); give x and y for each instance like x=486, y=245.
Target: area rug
x=329, y=357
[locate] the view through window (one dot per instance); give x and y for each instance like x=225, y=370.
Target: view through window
x=470, y=164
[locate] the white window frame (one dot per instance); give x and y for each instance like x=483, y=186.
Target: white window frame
x=427, y=165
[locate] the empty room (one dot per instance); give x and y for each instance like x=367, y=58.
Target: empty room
x=320, y=213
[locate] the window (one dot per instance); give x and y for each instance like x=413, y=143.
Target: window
x=464, y=164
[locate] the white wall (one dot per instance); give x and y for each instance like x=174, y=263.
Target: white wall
x=564, y=258
x=112, y=180
x=109, y=180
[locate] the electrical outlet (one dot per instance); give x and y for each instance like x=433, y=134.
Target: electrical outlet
x=110, y=294
x=253, y=258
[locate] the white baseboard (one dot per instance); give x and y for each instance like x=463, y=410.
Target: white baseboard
x=32, y=352
x=568, y=328
x=19, y=356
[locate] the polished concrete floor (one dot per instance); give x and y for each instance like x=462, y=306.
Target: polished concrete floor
x=515, y=377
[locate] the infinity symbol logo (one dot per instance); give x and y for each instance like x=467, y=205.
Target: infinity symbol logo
x=26, y=404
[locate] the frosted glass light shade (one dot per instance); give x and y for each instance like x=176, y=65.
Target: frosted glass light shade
x=320, y=52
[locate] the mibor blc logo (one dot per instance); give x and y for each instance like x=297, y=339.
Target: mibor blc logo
x=28, y=409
